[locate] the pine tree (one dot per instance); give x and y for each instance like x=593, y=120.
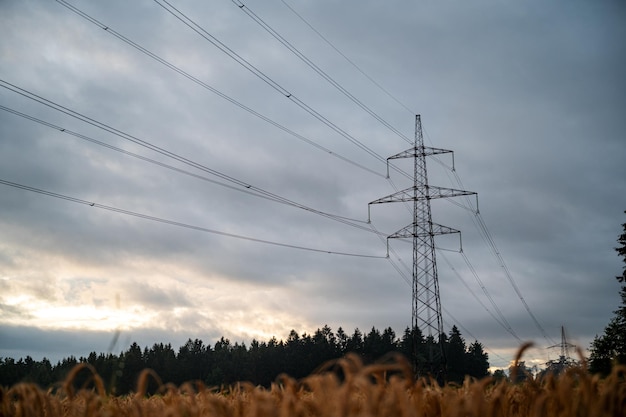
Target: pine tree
x=610, y=348
x=477, y=360
x=455, y=356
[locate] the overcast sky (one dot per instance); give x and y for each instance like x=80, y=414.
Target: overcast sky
x=530, y=96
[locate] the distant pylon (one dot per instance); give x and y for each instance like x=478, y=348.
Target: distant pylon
x=426, y=308
x=564, y=345
x=564, y=361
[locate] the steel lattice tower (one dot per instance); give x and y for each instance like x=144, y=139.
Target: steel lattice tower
x=426, y=308
x=565, y=346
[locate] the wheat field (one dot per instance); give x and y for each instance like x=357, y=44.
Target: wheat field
x=345, y=387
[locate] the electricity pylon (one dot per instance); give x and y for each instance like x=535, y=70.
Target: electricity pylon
x=565, y=361
x=426, y=309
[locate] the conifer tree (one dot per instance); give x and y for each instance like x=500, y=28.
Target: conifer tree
x=610, y=348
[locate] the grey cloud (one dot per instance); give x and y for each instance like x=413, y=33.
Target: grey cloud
x=154, y=297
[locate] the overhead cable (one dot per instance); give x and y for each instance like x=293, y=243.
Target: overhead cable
x=177, y=223
x=471, y=335
x=316, y=68
x=341, y=219
x=151, y=146
x=411, y=112
x=492, y=244
x=406, y=279
x=187, y=21
x=481, y=226
x=491, y=300
x=502, y=323
x=214, y=90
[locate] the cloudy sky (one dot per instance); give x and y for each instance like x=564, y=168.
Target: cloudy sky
x=177, y=194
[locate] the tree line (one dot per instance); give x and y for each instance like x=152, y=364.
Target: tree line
x=260, y=363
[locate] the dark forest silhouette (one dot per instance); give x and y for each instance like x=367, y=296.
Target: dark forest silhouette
x=260, y=363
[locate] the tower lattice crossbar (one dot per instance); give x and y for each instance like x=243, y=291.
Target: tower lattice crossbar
x=426, y=302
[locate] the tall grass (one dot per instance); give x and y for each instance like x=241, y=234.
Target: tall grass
x=343, y=388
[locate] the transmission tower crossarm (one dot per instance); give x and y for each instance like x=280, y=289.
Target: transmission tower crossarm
x=409, y=231
x=426, y=193
x=419, y=152
x=408, y=194
x=442, y=192
x=416, y=152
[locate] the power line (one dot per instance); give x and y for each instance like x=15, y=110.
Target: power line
x=187, y=21
x=470, y=334
x=481, y=226
x=316, y=68
x=212, y=89
x=504, y=323
x=488, y=239
x=341, y=219
x=177, y=223
x=149, y=145
x=131, y=138
x=406, y=279
x=390, y=249
x=492, y=244
x=491, y=300
x=502, y=320
x=411, y=112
